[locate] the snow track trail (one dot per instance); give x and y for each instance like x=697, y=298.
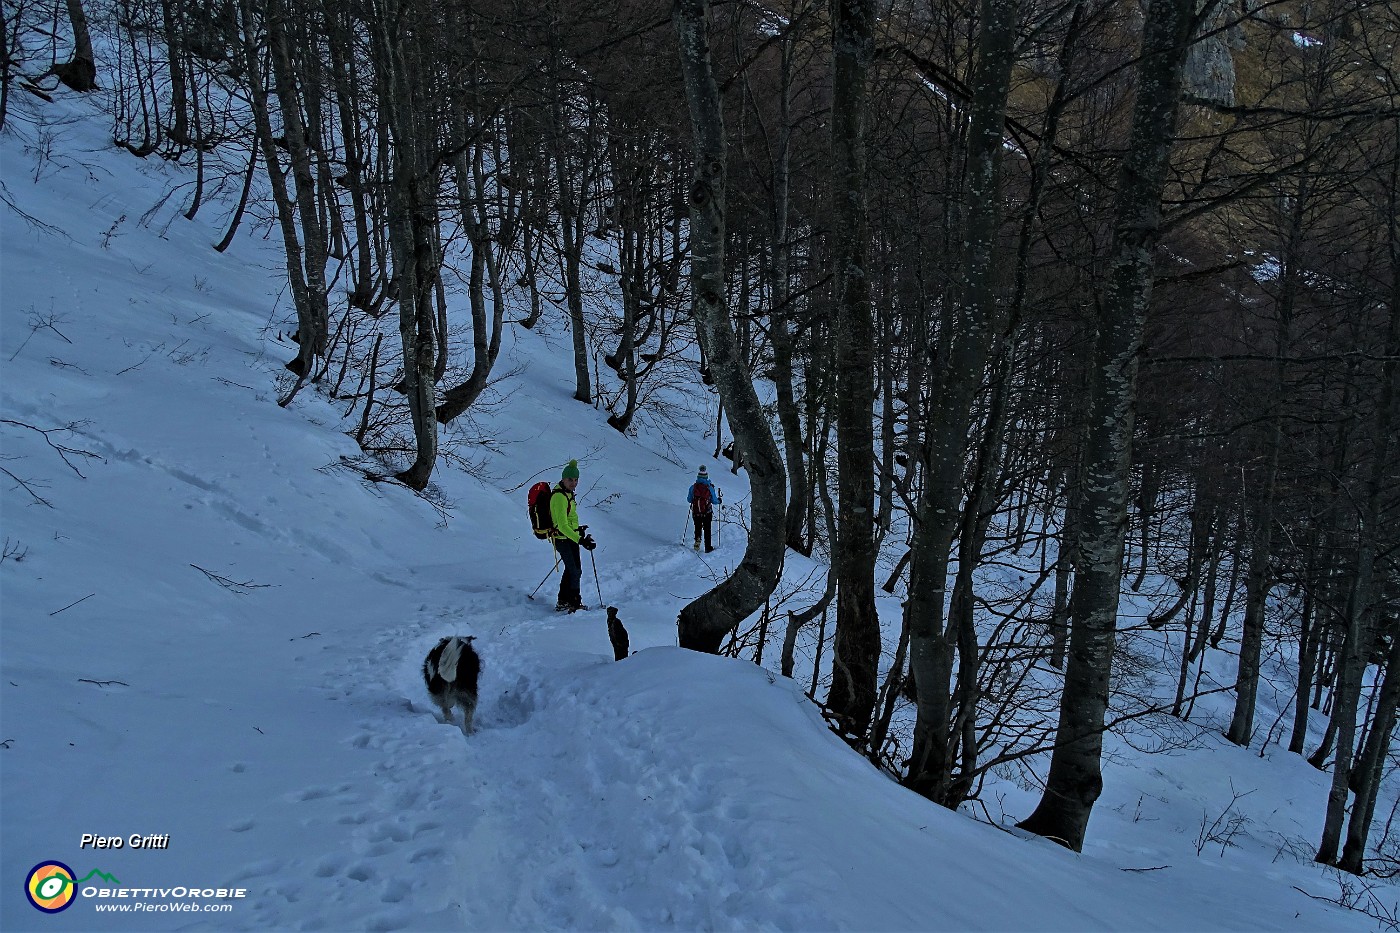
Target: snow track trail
x=566, y=801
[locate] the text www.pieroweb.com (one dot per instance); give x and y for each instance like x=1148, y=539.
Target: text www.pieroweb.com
x=164, y=900
x=176, y=907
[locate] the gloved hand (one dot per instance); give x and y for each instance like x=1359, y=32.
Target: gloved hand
x=587, y=543
x=581, y=530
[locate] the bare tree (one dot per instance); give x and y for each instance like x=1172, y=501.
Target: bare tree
x=80, y=71
x=856, y=654
x=468, y=114
x=932, y=642
x=313, y=327
x=1364, y=607
x=308, y=291
x=1075, y=780
x=398, y=47
x=703, y=623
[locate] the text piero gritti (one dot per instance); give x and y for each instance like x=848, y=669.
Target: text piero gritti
x=134, y=841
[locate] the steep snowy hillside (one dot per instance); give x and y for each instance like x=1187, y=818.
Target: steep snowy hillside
x=212, y=630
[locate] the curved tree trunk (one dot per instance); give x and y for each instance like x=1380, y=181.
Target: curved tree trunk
x=470, y=174
x=79, y=72
x=703, y=624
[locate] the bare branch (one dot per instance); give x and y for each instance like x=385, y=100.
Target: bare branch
x=232, y=585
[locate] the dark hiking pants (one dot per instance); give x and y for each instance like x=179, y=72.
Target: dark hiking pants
x=573, y=571
x=702, y=526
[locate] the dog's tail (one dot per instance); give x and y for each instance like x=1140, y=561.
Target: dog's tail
x=450, y=654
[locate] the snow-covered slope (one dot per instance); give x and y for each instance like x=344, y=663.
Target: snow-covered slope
x=270, y=725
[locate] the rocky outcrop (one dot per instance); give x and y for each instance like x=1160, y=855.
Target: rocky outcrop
x=1209, y=71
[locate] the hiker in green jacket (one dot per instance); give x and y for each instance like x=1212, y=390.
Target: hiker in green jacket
x=569, y=536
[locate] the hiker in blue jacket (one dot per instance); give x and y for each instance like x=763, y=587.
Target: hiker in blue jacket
x=703, y=498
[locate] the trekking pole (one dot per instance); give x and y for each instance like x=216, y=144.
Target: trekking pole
x=719, y=532
x=546, y=576
x=595, y=578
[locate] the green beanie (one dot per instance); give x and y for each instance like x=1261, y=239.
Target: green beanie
x=571, y=471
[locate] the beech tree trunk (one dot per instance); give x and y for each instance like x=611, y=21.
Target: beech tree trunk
x=469, y=171
x=1309, y=635
x=933, y=638
x=179, y=129
x=412, y=224
x=1075, y=779
x=856, y=652
x=281, y=196
x=1259, y=578
x=79, y=72
x=1371, y=765
x=346, y=79
x=1362, y=607
x=312, y=313
x=789, y=415
x=573, y=186
x=703, y=623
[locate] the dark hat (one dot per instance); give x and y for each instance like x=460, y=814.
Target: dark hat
x=571, y=470
x=704, y=471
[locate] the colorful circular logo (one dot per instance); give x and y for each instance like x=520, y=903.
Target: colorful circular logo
x=50, y=887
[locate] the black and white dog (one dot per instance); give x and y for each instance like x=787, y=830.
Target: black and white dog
x=450, y=671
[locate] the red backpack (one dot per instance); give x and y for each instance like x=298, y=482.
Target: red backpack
x=700, y=498
x=541, y=522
